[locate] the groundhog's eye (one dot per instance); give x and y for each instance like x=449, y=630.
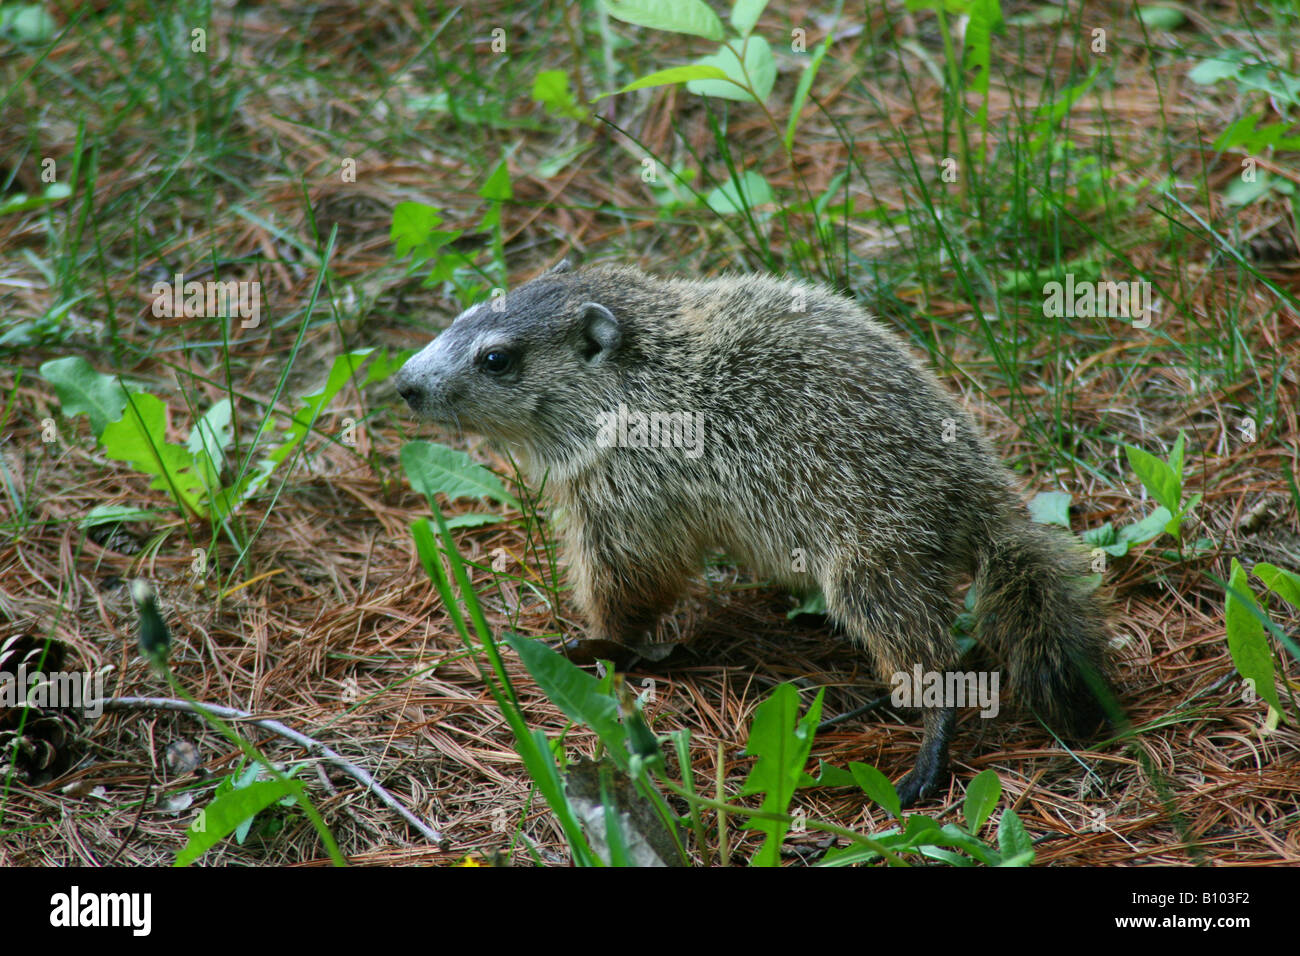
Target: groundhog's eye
x=497, y=361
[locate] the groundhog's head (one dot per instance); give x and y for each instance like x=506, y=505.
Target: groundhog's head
x=531, y=369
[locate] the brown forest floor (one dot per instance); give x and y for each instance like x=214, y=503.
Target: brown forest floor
x=338, y=633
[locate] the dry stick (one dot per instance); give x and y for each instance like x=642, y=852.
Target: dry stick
x=135, y=824
x=229, y=713
x=328, y=786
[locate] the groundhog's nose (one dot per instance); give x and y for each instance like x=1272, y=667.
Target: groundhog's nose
x=407, y=387
x=409, y=391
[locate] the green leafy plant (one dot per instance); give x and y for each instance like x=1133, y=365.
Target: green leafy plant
x=1053, y=507
x=83, y=391
x=781, y=742
x=415, y=233
x=1068, y=181
x=630, y=747
x=1281, y=87
x=431, y=470
x=742, y=69
x=21, y=202
x=435, y=468
x=189, y=473
x=1164, y=480
x=1248, y=626
x=46, y=329
x=238, y=799
x=983, y=19
x=925, y=836
x=132, y=426
x=629, y=744
x=551, y=89
x=1159, y=17
x=342, y=371
x=26, y=23
x=1246, y=623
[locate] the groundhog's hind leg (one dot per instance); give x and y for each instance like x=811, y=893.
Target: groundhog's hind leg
x=931, y=770
x=903, y=626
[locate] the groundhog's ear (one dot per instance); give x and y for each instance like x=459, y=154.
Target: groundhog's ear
x=599, y=334
x=564, y=265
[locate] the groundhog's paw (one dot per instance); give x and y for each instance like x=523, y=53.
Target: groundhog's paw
x=586, y=651
x=910, y=789
x=921, y=783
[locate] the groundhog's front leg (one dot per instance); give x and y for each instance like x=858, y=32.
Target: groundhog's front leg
x=621, y=597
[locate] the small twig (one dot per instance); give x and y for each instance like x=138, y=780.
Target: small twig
x=148, y=789
x=313, y=745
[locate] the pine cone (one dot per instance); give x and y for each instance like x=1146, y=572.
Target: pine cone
x=35, y=741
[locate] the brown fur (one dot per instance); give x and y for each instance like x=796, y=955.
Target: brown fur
x=830, y=457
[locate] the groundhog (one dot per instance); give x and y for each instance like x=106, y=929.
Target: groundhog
x=775, y=421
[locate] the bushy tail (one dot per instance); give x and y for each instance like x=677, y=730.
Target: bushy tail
x=1035, y=606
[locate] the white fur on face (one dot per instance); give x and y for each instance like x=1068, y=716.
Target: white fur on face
x=434, y=359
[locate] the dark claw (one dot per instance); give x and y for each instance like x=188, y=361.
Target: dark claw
x=918, y=785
